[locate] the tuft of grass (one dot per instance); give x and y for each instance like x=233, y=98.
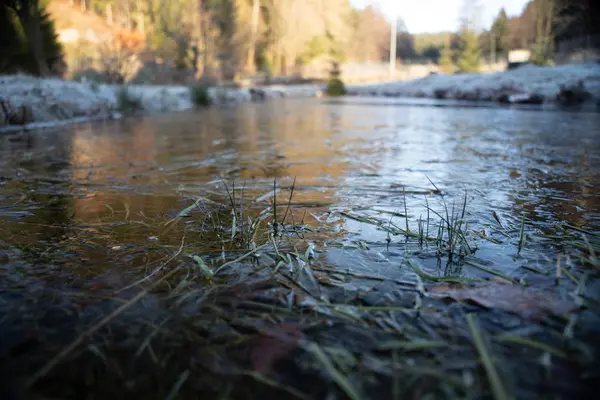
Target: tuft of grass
x=199, y=96
x=127, y=102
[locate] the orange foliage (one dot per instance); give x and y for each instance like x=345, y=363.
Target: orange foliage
x=128, y=40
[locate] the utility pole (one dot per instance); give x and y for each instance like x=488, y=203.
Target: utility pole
x=393, y=38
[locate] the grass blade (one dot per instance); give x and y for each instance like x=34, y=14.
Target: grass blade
x=498, y=390
x=289, y=201
x=532, y=343
x=522, y=235
x=270, y=382
x=206, y=271
x=177, y=386
x=491, y=271
x=337, y=376
x=411, y=345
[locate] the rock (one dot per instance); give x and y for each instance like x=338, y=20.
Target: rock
x=3, y=116
x=470, y=96
x=59, y=111
x=504, y=98
x=440, y=94
x=21, y=116
x=526, y=98
x=572, y=95
x=520, y=98
x=257, y=94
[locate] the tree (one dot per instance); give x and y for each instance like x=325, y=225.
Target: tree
x=543, y=48
x=445, y=60
x=28, y=13
x=469, y=53
x=577, y=19
x=405, y=48
x=369, y=35
x=499, y=31
x=468, y=56
x=29, y=42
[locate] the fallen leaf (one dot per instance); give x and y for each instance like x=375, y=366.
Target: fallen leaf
x=529, y=303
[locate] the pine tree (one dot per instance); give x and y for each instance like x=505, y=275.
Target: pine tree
x=468, y=57
x=500, y=30
x=11, y=44
x=16, y=48
x=53, y=51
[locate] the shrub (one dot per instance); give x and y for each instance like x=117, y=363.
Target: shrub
x=199, y=96
x=335, y=87
x=128, y=103
x=89, y=75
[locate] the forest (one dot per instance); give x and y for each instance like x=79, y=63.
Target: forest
x=223, y=39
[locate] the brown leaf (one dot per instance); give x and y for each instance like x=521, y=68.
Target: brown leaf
x=527, y=302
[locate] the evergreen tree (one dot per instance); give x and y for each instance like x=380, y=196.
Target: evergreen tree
x=16, y=45
x=500, y=31
x=468, y=57
x=11, y=44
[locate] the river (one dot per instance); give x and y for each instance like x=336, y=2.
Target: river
x=94, y=207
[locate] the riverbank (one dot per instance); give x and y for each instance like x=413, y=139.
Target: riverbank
x=528, y=83
x=29, y=102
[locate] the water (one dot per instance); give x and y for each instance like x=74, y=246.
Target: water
x=85, y=209
x=356, y=154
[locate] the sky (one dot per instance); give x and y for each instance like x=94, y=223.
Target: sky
x=440, y=15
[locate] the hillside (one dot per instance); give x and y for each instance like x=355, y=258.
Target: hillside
x=73, y=24
x=88, y=40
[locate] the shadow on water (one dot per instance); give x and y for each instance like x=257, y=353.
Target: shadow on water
x=391, y=205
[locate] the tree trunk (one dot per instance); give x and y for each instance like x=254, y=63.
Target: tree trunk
x=199, y=38
x=109, y=15
x=250, y=61
x=141, y=26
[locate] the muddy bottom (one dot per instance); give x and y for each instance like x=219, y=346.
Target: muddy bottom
x=362, y=248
